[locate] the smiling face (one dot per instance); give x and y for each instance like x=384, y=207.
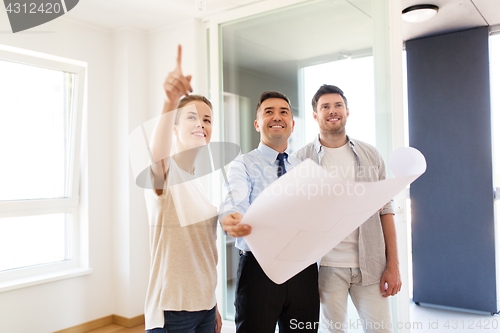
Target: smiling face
x=194, y=127
x=331, y=114
x=275, y=123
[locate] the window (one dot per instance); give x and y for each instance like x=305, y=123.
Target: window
x=355, y=78
x=40, y=137
x=494, y=46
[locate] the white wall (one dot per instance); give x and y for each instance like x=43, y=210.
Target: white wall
x=162, y=48
x=57, y=305
x=141, y=61
x=130, y=227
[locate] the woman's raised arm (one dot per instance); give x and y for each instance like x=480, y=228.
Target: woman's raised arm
x=176, y=85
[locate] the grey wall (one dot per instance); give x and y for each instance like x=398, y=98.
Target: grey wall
x=252, y=84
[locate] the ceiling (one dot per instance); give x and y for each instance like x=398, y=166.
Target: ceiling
x=154, y=14
x=146, y=15
x=453, y=15
x=273, y=44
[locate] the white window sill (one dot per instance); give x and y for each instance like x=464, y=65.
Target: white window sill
x=43, y=278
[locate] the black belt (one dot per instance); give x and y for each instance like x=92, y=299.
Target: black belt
x=244, y=253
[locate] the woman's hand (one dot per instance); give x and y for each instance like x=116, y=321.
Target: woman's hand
x=218, y=320
x=176, y=84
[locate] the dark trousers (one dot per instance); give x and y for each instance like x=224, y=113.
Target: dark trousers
x=187, y=322
x=260, y=303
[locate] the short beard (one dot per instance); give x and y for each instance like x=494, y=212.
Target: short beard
x=337, y=132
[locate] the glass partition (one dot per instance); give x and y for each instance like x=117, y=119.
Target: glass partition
x=294, y=49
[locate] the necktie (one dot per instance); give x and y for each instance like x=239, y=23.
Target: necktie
x=281, y=164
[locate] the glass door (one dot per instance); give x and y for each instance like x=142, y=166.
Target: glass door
x=294, y=47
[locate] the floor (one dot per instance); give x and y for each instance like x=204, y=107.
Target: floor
x=423, y=320
x=432, y=320
x=119, y=329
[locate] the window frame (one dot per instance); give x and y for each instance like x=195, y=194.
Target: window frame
x=71, y=205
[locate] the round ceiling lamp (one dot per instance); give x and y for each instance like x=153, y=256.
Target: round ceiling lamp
x=200, y=5
x=419, y=13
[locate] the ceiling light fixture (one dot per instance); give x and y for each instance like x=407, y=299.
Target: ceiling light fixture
x=419, y=13
x=200, y=5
